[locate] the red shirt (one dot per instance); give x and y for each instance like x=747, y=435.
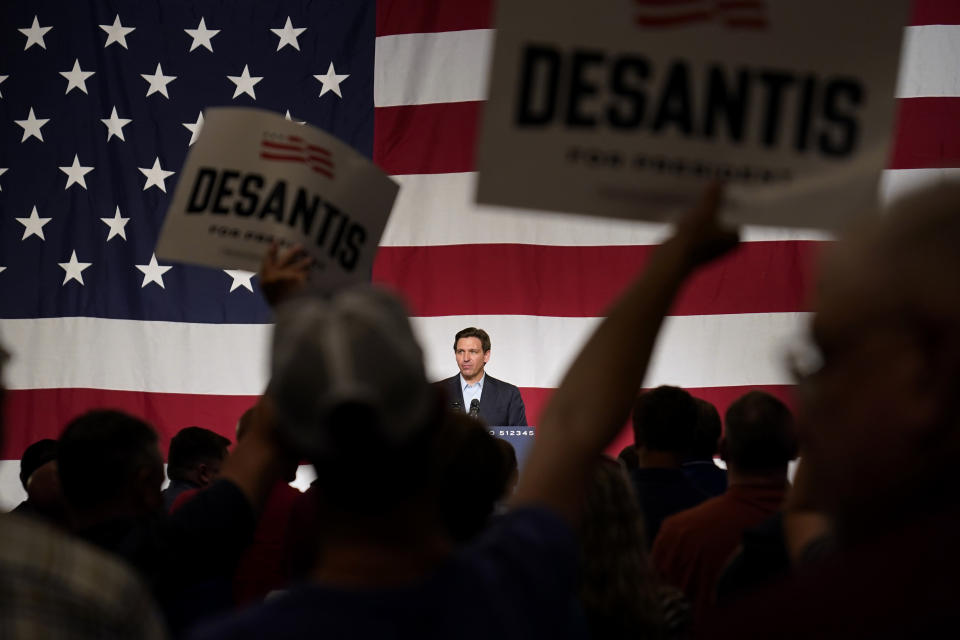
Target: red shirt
x=694, y=546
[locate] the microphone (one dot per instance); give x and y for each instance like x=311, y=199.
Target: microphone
x=474, y=408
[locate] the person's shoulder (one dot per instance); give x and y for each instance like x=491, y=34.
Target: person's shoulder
x=62, y=578
x=497, y=382
x=523, y=531
x=694, y=517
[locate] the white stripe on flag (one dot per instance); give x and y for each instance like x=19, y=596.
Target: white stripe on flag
x=930, y=62
x=528, y=351
x=439, y=209
x=423, y=68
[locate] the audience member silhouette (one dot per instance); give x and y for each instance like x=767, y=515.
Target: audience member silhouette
x=111, y=471
x=694, y=546
x=664, y=421
x=56, y=586
x=193, y=461
x=263, y=567
x=880, y=436
x=698, y=464
x=41, y=481
x=621, y=596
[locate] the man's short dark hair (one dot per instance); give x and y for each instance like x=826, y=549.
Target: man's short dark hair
x=664, y=419
x=191, y=447
x=473, y=332
x=760, y=433
x=35, y=456
x=706, y=437
x=100, y=454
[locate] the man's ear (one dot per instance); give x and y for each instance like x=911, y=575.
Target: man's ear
x=204, y=474
x=486, y=357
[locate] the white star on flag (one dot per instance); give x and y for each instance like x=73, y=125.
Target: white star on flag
x=194, y=128
x=288, y=35
x=73, y=269
x=155, y=176
x=152, y=272
x=116, y=32
x=117, y=225
x=331, y=81
x=3, y=170
x=35, y=34
x=115, y=125
x=2, y=78
x=33, y=226
x=76, y=77
x=158, y=82
x=245, y=83
x=290, y=118
x=202, y=36
x=75, y=173
x=31, y=126
x=241, y=278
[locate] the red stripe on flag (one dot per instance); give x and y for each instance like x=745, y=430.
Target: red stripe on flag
x=927, y=134
x=319, y=150
x=322, y=172
x=440, y=138
x=935, y=12
x=426, y=138
x=43, y=413
x=761, y=277
x=425, y=16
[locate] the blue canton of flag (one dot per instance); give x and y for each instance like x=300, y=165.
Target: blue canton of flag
x=99, y=104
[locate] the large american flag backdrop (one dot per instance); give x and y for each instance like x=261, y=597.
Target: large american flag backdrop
x=99, y=102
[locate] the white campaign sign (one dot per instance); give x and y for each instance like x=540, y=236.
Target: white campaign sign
x=254, y=177
x=625, y=108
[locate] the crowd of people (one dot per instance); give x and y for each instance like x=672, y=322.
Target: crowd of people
x=418, y=524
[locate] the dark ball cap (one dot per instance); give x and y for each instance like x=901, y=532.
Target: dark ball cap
x=35, y=456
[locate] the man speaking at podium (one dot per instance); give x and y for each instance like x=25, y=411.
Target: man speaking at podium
x=495, y=402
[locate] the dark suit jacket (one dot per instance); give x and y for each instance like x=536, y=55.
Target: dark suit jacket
x=500, y=402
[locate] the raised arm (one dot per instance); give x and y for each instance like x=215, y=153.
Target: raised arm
x=592, y=403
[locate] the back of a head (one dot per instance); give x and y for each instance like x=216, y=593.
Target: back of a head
x=352, y=396
x=100, y=455
x=887, y=332
x=665, y=419
x=473, y=472
x=192, y=446
x=617, y=581
x=35, y=456
x=706, y=436
x=629, y=457
x=761, y=435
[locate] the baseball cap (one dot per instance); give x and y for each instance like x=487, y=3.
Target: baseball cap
x=347, y=372
x=35, y=456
